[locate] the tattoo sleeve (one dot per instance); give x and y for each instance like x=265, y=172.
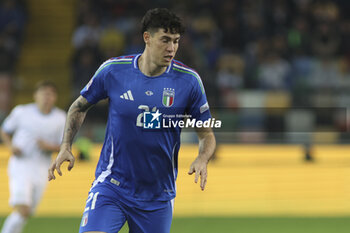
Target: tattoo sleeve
x=75, y=118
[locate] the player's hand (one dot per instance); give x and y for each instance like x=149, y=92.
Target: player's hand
x=63, y=155
x=16, y=151
x=48, y=147
x=43, y=145
x=199, y=167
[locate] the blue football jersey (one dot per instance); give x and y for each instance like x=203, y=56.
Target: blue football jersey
x=139, y=163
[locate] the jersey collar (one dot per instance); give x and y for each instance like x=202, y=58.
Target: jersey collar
x=137, y=67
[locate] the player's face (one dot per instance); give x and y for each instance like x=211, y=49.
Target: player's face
x=45, y=97
x=163, y=46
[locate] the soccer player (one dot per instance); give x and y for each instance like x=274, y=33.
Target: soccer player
x=137, y=169
x=32, y=132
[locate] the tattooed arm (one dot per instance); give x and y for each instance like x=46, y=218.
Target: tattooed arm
x=75, y=117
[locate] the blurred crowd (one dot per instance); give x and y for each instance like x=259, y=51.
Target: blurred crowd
x=13, y=17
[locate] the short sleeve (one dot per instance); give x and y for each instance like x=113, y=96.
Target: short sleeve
x=11, y=122
x=198, y=105
x=96, y=89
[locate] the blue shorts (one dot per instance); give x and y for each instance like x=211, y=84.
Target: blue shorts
x=105, y=212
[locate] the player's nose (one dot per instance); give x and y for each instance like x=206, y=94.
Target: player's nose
x=171, y=47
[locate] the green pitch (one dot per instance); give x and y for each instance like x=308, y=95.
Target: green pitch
x=211, y=225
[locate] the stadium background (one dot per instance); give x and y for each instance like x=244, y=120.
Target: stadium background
x=277, y=74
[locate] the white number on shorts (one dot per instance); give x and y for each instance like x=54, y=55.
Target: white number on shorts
x=92, y=197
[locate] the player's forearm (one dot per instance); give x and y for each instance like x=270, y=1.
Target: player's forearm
x=6, y=138
x=75, y=118
x=73, y=123
x=207, y=144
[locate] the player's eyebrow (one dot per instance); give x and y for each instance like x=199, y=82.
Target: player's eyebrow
x=170, y=38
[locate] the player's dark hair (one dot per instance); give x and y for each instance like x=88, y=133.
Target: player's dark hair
x=46, y=83
x=162, y=18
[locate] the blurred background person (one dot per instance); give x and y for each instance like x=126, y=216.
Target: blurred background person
x=31, y=132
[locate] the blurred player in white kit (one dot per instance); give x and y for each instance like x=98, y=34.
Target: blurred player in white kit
x=31, y=132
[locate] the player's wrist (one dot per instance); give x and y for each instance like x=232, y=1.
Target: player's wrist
x=203, y=158
x=66, y=146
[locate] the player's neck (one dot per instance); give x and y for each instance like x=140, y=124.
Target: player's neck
x=44, y=109
x=149, y=68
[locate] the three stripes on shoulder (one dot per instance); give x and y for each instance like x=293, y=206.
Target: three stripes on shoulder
x=127, y=95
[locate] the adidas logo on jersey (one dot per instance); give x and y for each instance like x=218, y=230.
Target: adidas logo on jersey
x=127, y=95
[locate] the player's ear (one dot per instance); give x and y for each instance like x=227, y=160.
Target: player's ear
x=35, y=94
x=146, y=37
